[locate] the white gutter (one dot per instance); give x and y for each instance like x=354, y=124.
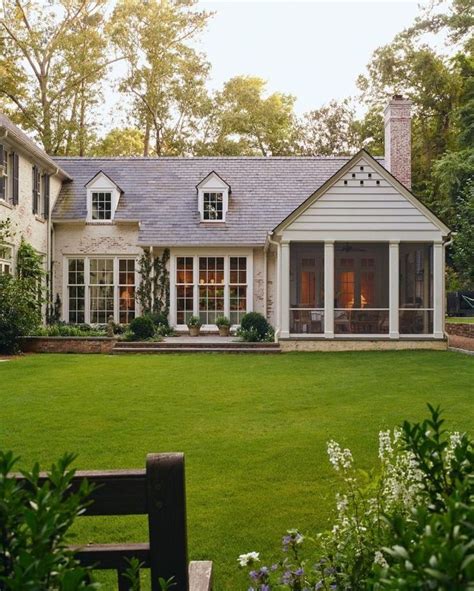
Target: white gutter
x=278, y=245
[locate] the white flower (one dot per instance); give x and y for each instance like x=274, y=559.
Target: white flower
x=249, y=558
x=385, y=445
x=341, y=459
x=380, y=559
x=454, y=441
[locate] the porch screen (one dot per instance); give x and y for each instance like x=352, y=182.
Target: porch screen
x=306, y=288
x=361, y=289
x=416, y=288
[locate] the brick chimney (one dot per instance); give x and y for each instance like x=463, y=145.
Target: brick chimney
x=397, y=117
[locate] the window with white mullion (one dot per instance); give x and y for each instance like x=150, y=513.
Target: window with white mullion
x=6, y=258
x=101, y=290
x=211, y=288
x=184, y=289
x=76, y=291
x=237, y=288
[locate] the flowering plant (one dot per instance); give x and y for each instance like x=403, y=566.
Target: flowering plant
x=422, y=470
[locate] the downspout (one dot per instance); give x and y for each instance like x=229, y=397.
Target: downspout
x=278, y=245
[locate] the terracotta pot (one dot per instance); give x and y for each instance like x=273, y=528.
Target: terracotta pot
x=194, y=331
x=224, y=331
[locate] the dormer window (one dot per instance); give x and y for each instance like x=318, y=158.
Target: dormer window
x=213, y=198
x=101, y=205
x=103, y=196
x=213, y=206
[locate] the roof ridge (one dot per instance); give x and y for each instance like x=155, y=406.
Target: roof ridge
x=205, y=158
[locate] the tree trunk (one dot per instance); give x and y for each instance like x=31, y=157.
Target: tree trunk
x=146, y=140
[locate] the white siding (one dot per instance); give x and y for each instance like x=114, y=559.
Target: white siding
x=352, y=206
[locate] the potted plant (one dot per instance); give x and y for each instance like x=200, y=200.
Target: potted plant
x=223, y=324
x=194, y=325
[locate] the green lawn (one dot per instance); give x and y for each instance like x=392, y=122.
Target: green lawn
x=253, y=429
x=460, y=319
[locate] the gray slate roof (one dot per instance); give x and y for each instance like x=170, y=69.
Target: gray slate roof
x=161, y=194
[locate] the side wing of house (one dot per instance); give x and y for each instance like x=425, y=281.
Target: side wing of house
x=362, y=256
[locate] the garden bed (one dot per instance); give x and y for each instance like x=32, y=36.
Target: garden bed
x=67, y=344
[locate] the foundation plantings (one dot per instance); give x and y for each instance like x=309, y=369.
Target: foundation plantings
x=194, y=325
x=223, y=324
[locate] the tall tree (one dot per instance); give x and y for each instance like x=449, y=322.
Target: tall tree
x=120, y=142
x=165, y=76
x=328, y=131
x=247, y=121
x=54, y=56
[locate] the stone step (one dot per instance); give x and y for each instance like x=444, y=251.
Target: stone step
x=198, y=345
x=164, y=350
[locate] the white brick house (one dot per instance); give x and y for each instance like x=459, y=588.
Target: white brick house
x=331, y=250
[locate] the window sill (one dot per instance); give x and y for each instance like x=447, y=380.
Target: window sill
x=6, y=204
x=99, y=222
x=212, y=222
x=40, y=218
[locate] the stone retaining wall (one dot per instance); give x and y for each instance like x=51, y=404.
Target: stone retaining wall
x=67, y=344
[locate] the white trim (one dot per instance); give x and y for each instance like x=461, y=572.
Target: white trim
x=178, y=253
x=329, y=289
x=438, y=289
x=363, y=156
x=213, y=184
x=285, y=290
x=394, y=289
x=101, y=183
x=116, y=283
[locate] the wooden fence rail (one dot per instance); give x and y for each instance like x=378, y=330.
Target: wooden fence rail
x=159, y=492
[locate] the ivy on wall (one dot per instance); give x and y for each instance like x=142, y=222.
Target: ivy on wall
x=153, y=293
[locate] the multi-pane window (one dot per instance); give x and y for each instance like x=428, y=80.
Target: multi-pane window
x=102, y=205
x=126, y=290
x=213, y=206
x=7, y=176
x=238, y=288
x=76, y=291
x=184, y=289
x=5, y=260
x=211, y=288
x=101, y=286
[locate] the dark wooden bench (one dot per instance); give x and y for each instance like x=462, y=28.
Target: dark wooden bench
x=159, y=492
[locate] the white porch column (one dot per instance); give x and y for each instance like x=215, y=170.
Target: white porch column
x=438, y=290
x=172, y=318
x=285, y=290
x=394, y=279
x=329, y=289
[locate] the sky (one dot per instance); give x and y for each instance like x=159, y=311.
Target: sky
x=312, y=49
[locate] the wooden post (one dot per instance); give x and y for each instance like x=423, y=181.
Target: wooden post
x=167, y=520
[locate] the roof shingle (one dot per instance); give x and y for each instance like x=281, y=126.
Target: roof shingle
x=161, y=193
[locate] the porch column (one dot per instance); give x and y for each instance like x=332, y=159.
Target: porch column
x=394, y=280
x=172, y=318
x=438, y=290
x=285, y=290
x=329, y=289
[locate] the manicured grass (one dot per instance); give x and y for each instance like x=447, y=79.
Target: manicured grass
x=460, y=320
x=253, y=428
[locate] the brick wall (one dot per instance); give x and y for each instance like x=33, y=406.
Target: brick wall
x=398, y=139
x=67, y=344
x=460, y=330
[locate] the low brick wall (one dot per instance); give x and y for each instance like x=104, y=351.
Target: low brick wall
x=67, y=344
x=460, y=336
x=460, y=330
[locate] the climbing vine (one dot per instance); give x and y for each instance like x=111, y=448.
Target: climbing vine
x=153, y=293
